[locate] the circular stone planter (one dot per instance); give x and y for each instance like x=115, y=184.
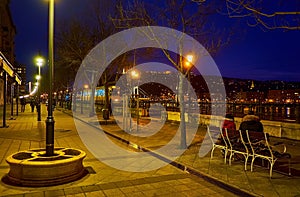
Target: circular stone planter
x=34, y=168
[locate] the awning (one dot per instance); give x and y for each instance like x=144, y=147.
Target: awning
x=7, y=67
x=18, y=79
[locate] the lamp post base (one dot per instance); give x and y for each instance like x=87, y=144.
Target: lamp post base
x=38, y=109
x=50, y=136
x=34, y=168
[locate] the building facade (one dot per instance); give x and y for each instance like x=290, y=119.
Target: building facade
x=8, y=77
x=7, y=32
x=21, y=70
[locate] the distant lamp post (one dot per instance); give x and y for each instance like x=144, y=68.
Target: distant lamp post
x=38, y=77
x=135, y=75
x=189, y=64
x=86, y=87
x=82, y=97
x=39, y=61
x=182, y=64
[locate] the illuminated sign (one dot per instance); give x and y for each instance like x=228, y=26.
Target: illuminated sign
x=8, y=69
x=18, y=80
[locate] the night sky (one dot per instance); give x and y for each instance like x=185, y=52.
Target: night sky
x=258, y=54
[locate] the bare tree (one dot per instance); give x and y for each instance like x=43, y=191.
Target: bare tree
x=73, y=42
x=183, y=16
x=283, y=15
x=177, y=14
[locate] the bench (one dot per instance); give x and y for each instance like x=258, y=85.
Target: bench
x=246, y=143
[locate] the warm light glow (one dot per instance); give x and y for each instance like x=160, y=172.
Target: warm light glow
x=34, y=91
x=135, y=74
x=86, y=86
x=189, y=60
x=39, y=60
x=288, y=100
x=38, y=77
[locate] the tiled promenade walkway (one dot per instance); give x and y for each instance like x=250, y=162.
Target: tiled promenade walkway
x=26, y=133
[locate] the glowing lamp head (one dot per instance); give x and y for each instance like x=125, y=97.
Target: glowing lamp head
x=189, y=60
x=135, y=74
x=39, y=61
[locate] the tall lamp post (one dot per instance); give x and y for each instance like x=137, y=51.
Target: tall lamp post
x=50, y=119
x=55, y=170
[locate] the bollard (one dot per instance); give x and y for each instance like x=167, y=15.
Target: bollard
x=105, y=114
x=164, y=116
x=38, y=109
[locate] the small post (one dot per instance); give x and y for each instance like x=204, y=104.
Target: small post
x=38, y=109
x=138, y=113
x=81, y=103
x=17, y=99
x=12, y=101
x=4, y=98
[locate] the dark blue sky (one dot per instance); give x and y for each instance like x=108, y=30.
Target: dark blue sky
x=270, y=55
x=261, y=55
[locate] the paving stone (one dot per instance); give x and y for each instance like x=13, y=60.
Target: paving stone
x=114, y=192
x=106, y=186
x=73, y=190
x=90, y=188
x=54, y=193
x=95, y=194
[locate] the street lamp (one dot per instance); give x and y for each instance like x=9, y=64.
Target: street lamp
x=136, y=75
x=50, y=120
x=38, y=77
x=189, y=59
x=39, y=61
x=188, y=64
x=46, y=167
x=82, y=97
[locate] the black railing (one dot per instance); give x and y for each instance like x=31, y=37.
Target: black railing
x=288, y=112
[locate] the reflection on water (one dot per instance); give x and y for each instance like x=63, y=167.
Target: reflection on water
x=288, y=112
